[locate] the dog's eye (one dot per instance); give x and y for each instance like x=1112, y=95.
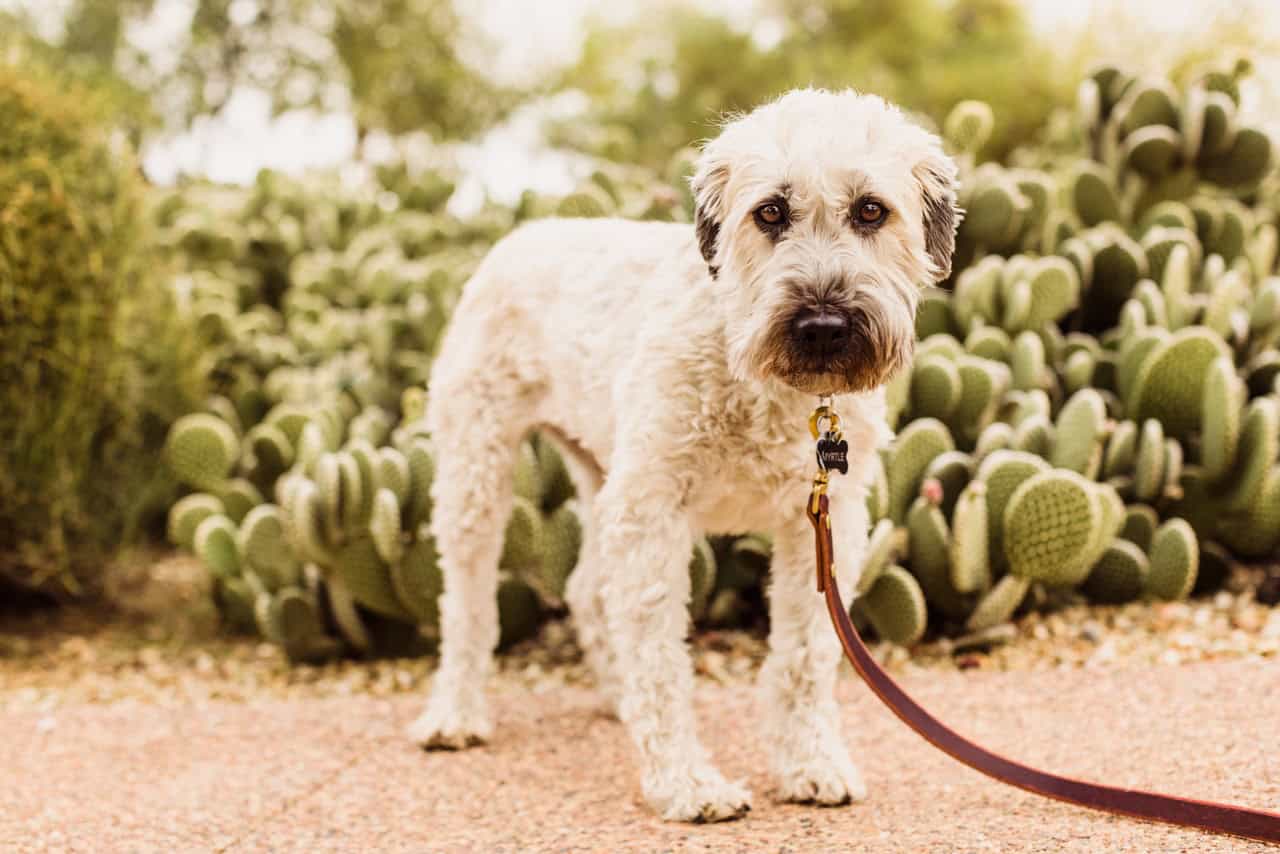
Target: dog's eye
x=771, y=214
x=869, y=212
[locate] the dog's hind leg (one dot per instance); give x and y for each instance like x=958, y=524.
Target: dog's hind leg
x=584, y=590
x=477, y=420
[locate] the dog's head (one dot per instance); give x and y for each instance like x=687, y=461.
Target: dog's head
x=820, y=215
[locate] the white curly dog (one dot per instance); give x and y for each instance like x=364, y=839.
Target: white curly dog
x=677, y=366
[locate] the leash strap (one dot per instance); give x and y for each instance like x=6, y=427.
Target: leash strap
x=1204, y=815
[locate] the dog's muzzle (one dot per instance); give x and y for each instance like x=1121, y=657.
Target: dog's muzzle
x=820, y=335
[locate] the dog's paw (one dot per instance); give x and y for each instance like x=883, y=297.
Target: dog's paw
x=443, y=727
x=699, y=794
x=825, y=781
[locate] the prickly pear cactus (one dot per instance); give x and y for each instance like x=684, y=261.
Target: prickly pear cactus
x=1094, y=402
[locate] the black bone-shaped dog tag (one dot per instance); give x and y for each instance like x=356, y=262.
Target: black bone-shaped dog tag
x=833, y=453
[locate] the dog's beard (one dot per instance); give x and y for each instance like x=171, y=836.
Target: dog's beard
x=880, y=341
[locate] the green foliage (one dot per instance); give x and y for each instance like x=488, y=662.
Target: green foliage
x=1118, y=412
x=895, y=606
x=1111, y=334
x=659, y=82
x=1120, y=575
x=397, y=63
x=1049, y=525
x=93, y=362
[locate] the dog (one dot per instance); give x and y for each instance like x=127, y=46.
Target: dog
x=676, y=367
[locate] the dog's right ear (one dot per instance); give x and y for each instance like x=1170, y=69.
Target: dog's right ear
x=708, y=185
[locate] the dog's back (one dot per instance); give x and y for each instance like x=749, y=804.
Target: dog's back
x=574, y=295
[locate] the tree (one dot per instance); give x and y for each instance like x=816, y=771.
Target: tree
x=396, y=64
x=657, y=83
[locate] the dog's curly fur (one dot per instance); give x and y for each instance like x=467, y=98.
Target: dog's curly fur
x=664, y=357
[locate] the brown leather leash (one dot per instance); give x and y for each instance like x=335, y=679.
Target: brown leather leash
x=1184, y=812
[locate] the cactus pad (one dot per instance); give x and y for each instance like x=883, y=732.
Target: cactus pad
x=562, y=541
x=1175, y=558
x=896, y=607
x=935, y=387
x=522, y=538
x=239, y=496
x=368, y=578
x=969, y=560
x=983, y=384
x=913, y=450
x=1028, y=361
x=1259, y=438
x=968, y=126
x=1255, y=531
x=1093, y=195
x=1035, y=435
x=519, y=611
x=884, y=546
x=418, y=582
x=1049, y=525
x=393, y=473
x=384, y=526
x=999, y=603
x=928, y=542
x=270, y=452
x=1002, y=473
x=422, y=472
x=1223, y=397
x=1148, y=470
x=1079, y=433
x=988, y=342
x=557, y=485
x=1152, y=151
x=933, y=316
x=702, y=576
x=1243, y=164
x=187, y=514
x=952, y=470
x=1140, y=523
x=201, y=450
x=215, y=543
x=1120, y=575
x=1169, y=386
x=294, y=621
x=265, y=549
x=1077, y=372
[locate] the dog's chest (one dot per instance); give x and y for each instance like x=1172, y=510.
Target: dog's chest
x=753, y=464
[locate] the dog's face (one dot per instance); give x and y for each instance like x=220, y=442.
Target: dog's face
x=820, y=216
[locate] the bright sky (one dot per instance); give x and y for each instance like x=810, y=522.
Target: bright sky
x=244, y=137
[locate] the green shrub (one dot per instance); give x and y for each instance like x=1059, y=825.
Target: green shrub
x=91, y=362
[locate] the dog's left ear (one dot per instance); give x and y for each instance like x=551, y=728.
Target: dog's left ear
x=708, y=185
x=936, y=175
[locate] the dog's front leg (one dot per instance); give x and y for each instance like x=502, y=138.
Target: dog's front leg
x=645, y=543
x=797, y=683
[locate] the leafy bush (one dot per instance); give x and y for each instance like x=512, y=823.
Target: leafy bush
x=91, y=365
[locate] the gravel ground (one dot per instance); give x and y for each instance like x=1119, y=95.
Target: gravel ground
x=322, y=775
x=149, y=731
x=171, y=654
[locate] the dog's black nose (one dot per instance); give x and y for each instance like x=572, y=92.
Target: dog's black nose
x=820, y=334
